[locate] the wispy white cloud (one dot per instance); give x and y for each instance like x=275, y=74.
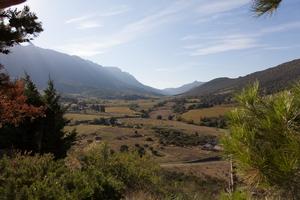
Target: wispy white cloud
x=109, y=13
x=115, y=11
x=277, y=48
x=218, y=44
x=280, y=28
x=189, y=37
x=79, y=19
x=130, y=31
x=137, y=28
x=208, y=11
x=92, y=20
x=216, y=6
x=225, y=45
x=89, y=24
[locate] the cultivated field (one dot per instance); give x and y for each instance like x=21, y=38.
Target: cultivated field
x=120, y=110
x=176, y=145
x=82, y=117
x=215, y=111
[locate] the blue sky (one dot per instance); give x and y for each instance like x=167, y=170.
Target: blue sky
x=167, y=43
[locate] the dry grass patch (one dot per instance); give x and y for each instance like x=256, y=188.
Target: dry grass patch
x=181, y=126
x=83, y=117
x=216, y=169
x=85, y=128
x=215, y=111
x=120, y=110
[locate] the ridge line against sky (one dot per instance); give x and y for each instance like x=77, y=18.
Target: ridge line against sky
x=171, y=43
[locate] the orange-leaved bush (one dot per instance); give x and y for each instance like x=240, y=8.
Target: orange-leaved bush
x=13, y=106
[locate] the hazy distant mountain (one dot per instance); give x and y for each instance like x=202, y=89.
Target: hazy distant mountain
x=182, y=89
x=72, y=74
x=271, y=80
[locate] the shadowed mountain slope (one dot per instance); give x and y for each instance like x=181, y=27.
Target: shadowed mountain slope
x=271, y=80
x=72, y=74
x=182, y=89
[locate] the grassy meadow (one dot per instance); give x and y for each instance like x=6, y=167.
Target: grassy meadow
x=215, y=111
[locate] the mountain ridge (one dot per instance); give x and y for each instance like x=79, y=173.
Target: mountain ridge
x=72, y=74
x=271, y=80
x=182, y=89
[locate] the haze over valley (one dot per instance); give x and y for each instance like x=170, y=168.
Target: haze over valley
x=149, y=100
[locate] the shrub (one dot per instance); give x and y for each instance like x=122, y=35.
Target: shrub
x=159, y=117
x=99, y=121
x=178, y=138
x=179, y=108
x=179, y=118
x=185, y=186
x=200, y=106
x=236, y=195
x=93, y=173
x=264, y=141
x=124, y=148
x=218, y=122
x=170, y=117
x=133, y=171
x=134, y=107
x=190, y=121
x=145, y=114
x=149, y=139
x=41, y=177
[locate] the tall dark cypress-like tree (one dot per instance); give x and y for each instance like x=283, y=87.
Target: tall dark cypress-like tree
x=33, y=128
x=31, y=92
x=54, y=139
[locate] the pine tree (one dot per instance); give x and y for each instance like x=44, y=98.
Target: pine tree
x=261, y=7
x=54, y=139
x=33, y=128
x=264, y=141
x=15, y=27
x=31, y=92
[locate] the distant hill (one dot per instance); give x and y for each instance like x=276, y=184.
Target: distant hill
x=182, y=89
x=271, y=80
x=72, y=74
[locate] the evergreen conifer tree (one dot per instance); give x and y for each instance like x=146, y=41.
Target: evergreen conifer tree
x=261, y=7
x=55, y=139
x=264, y=141
x=31, y=92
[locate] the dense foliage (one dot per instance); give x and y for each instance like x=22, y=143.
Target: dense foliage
x=178, y=138
x=13, y=102
x=179, y=106
x=97, y=173
x=265, y=6
x=218, y=122
x=94, y=173
x=264, y=141
x=43, y=134
x=17, y=27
